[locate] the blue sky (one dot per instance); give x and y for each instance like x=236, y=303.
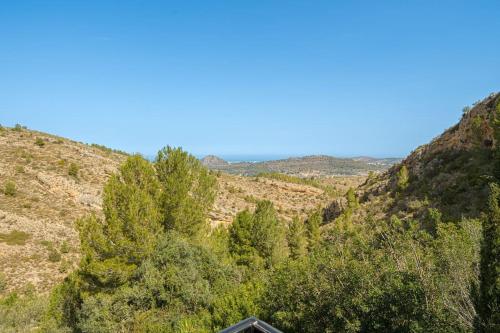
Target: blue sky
x=247, y=77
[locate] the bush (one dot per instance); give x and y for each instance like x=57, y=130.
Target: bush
x=403, y=178
x=18, y=128
x=39, y=142
x=54, y=255
x=65, y=247
x=24, y=314
x=10, y=189
x=73, y=170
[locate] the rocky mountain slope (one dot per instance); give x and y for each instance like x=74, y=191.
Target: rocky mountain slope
x=307, y=166
x=52, y=181
x=48, y=182
x=448, y=177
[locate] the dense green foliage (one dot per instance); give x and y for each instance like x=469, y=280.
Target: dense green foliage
x=312, y=223
x=188, y=191
x=490, y=265
x=297, y=240
x=385, y=280
x=258, y=239
x=489, y=304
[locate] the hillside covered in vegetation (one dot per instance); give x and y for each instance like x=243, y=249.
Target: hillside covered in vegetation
x=414, y=249
x=307, y=166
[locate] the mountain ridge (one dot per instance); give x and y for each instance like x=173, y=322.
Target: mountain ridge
x=303, y=166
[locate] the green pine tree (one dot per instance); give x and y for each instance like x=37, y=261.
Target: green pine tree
x=259, y=236
x=297, y=241
x=188, y=191
x=489, y=305
x=112, y=248
x=313, y=232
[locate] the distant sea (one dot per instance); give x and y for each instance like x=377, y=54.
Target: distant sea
x=250, y=158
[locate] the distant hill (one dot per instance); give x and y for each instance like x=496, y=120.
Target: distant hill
x=211, y=161
x=307, y=166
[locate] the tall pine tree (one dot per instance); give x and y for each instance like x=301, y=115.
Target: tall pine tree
x=297, y=241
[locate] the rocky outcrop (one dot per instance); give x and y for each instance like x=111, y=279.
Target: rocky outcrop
x=472, y=131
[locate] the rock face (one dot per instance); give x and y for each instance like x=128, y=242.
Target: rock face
x=212, y=161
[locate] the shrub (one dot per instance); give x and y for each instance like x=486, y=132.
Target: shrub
x=250, y=199
x=54, y=255
x=10, y=189
x=232, y=189
x=73, y=170
x=23, y=313
x=19, y=169
x=18, y=128
x=65, y=247
x=39, y=142
x=403, y=178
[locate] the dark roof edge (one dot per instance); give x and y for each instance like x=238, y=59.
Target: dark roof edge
x=251, y=322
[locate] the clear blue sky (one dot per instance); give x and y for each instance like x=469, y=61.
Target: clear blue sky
x=247, y=77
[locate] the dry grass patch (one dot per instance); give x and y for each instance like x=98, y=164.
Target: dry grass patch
x=15, y=237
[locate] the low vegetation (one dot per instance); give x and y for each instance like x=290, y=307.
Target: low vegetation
x=39, y=142
x=15, y=237
x=73, y=170
x=10, y=189
x=107, y=149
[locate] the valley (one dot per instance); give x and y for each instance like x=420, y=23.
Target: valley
x=57, y=181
